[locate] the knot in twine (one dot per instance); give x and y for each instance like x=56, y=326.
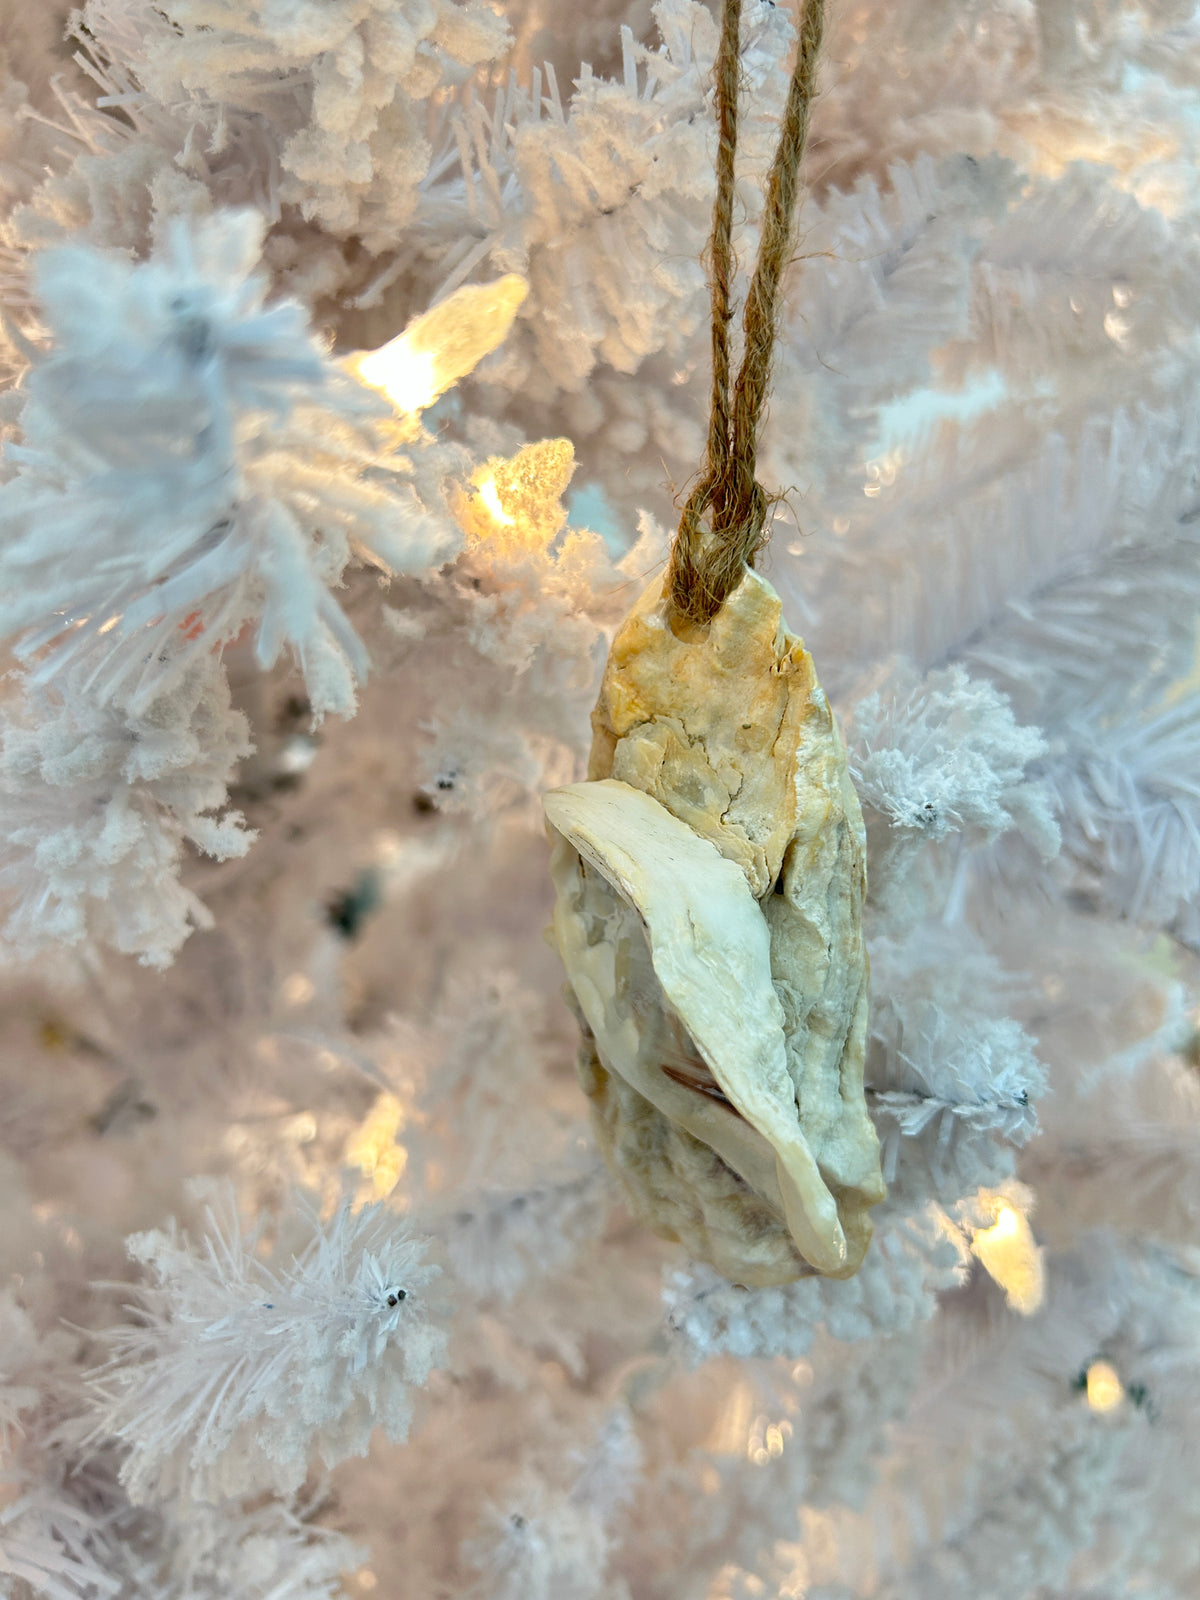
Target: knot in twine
x=707, y=563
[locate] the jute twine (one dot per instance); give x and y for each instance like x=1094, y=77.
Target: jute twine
x=707, y=562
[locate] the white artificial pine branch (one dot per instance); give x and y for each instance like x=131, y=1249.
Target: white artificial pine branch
x=582, y=196
x=219, y=468
x=97, y=807
x=1122, y=1152
x=1106, y=629
x=500, y=1241
x=947, y=756
x=50, y=1545
x=69, y=1532
x=948, y=524
x=1104, y=660
x=552, y=1543
x=1130, y=803
x=952, y=1085
x=1032, y=1526
x=240, y=1369
x=1003, y=512
x=57, y=1533
x=268, y=1550
x=788, y=1439
x=259, y=1550
x=1000, y=1446
x=934, y=759
x=911, y=1259
x=609, y=1471
x=887, y=280
x=319, y=107
x=18, y=1352
x=542, y=1546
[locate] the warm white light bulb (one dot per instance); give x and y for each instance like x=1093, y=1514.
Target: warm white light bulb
x=489, y=495
x=442, y=345
x=408, y=377
x=1010, y=1255
x=1105, y=1391
x=515, y=505
x=374, y=1149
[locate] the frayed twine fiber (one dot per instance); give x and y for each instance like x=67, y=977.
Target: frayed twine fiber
x=707, y=563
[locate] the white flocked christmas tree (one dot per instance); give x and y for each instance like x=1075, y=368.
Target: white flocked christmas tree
x=355, y=364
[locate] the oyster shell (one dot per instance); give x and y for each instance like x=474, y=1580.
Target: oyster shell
x=710, y=879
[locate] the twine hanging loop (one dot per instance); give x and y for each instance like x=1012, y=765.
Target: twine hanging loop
x=707, y=562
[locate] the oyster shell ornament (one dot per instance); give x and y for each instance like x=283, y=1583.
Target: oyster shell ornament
x=710, y=874
x=709, y=883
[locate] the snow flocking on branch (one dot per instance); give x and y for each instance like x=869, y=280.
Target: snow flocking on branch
x=259, y=1550
x=49, y=1544
x=92, y=1545
x=19, y=1343
x=502, y=1240
x=98, y=805
x=939, y=757
x=239, y=1368
x=549, y=1549
x=952, y=1085
x=220, y=470
x=952, y=1066
x=1104, y=659
x=552, y=1542
x=323, y=102
x=947, y=756
x=910, y=1261
x=602, y=201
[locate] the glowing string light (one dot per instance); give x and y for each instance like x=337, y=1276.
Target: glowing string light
x=1010, y=1255
x=515, y=505
x=408, y=377
x=491, y=499
x=372, y=1148
x=442, y=345
x=1105, y=1391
